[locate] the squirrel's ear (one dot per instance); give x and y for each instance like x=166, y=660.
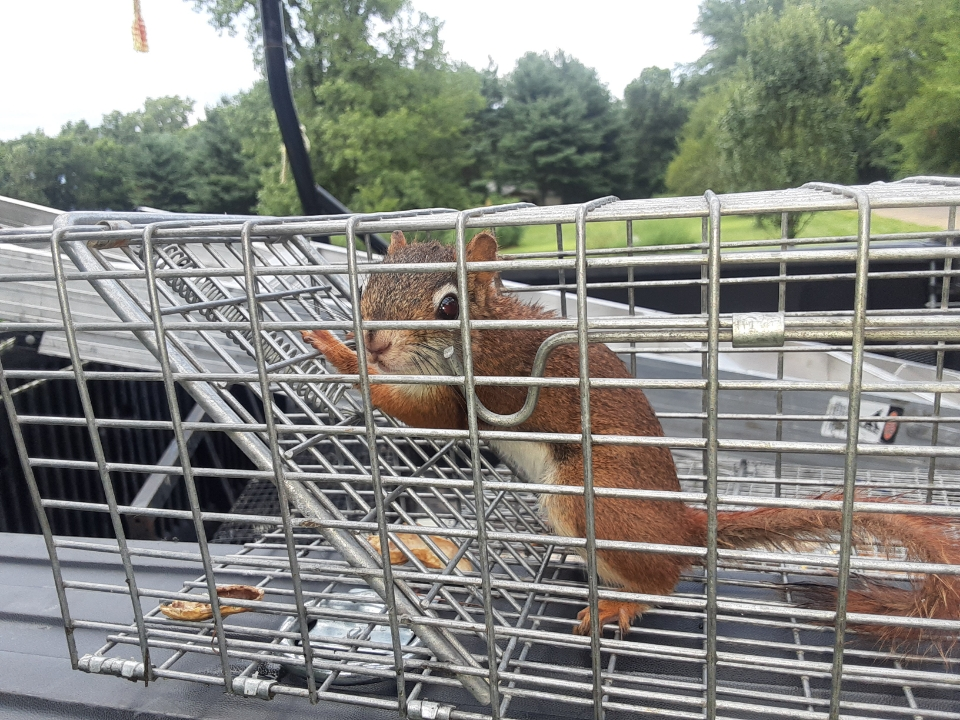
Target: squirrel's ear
x=483, y=248
x=397, y=242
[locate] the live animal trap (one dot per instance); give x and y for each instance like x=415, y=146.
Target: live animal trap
x=771, y=345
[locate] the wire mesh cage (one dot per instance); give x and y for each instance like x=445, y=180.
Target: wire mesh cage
x=377, y=563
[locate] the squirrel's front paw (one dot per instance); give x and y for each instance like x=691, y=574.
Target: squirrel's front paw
x=341, y=356
x=322, y=340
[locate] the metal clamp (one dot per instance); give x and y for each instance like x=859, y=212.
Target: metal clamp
x=758, y=330
x=254, y=687
x=112, y=243
x=428, y=710
x=129, y=669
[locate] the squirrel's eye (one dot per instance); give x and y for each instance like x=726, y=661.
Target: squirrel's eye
x=449, y=308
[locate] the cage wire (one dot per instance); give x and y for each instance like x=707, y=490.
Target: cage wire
x=478, y=624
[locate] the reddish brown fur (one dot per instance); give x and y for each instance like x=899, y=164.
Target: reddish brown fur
x=624, y=411
x=927, y=539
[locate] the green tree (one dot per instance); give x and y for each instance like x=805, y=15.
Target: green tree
x=782, y=117
x=77, y=169
x=156, y=142
x=147, y=157
x=162, y=177
x=224, y=178
x=95, y=170
x=387, y=116
x=557, y=129
x=330, y=39
x=928, y=127
x=21, y=175
x=401, y=141
x=698, y=164
x=788, y=121
x=486, y=131
x=159, y=115
x=723, y=23
x=906, y=63
x=654, y=110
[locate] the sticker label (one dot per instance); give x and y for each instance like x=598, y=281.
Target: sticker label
x=879, y=428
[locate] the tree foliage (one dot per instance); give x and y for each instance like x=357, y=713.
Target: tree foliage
x=723, y=23
x=895, y=107
x=387, y=117
x=228, y=177
x=905, y=60
x=159, y=115
x=148, y=157
x=787, y=121
x=780, y=117
x=655, y=108
x=557, y=129
x=698, y=164
x=79, y=168
x=400, y=141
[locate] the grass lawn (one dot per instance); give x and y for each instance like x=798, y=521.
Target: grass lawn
x=678, y=231
x=543, y=238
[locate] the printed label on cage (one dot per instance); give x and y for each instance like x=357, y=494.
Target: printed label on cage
x=878, y=428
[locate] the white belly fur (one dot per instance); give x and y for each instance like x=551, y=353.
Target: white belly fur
x=534, y=459
x=536, y=462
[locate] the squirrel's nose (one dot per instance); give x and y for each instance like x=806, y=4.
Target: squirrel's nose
x=377, y=344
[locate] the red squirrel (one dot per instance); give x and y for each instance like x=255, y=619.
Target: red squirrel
x=621, y=411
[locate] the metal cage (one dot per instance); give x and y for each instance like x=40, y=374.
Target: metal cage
x=760, y=405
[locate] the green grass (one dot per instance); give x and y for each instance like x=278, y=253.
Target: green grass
x=678, y=231
x=681, y=231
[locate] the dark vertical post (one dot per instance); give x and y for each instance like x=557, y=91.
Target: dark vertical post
x=314, y=198
x=275, y=62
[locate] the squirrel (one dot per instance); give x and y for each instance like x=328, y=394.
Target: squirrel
x=620, y=411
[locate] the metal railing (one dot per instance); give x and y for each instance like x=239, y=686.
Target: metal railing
x=760, y=410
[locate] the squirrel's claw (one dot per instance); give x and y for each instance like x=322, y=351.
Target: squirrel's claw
x=623, y=613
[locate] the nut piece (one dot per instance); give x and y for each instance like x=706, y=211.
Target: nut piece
x=199, y=611
x=418, y=547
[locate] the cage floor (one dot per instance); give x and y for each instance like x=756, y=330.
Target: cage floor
x=767, y=667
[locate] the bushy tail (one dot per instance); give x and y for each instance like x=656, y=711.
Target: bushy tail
x=927, y=539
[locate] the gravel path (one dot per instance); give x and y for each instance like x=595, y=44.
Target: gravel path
x=927, y=216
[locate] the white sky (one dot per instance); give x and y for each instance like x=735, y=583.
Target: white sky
x=66, y=60
x=617, y=37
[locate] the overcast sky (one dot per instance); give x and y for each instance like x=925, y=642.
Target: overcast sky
x=64, y=60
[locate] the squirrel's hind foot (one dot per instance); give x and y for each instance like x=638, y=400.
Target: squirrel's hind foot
x=623, y=613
